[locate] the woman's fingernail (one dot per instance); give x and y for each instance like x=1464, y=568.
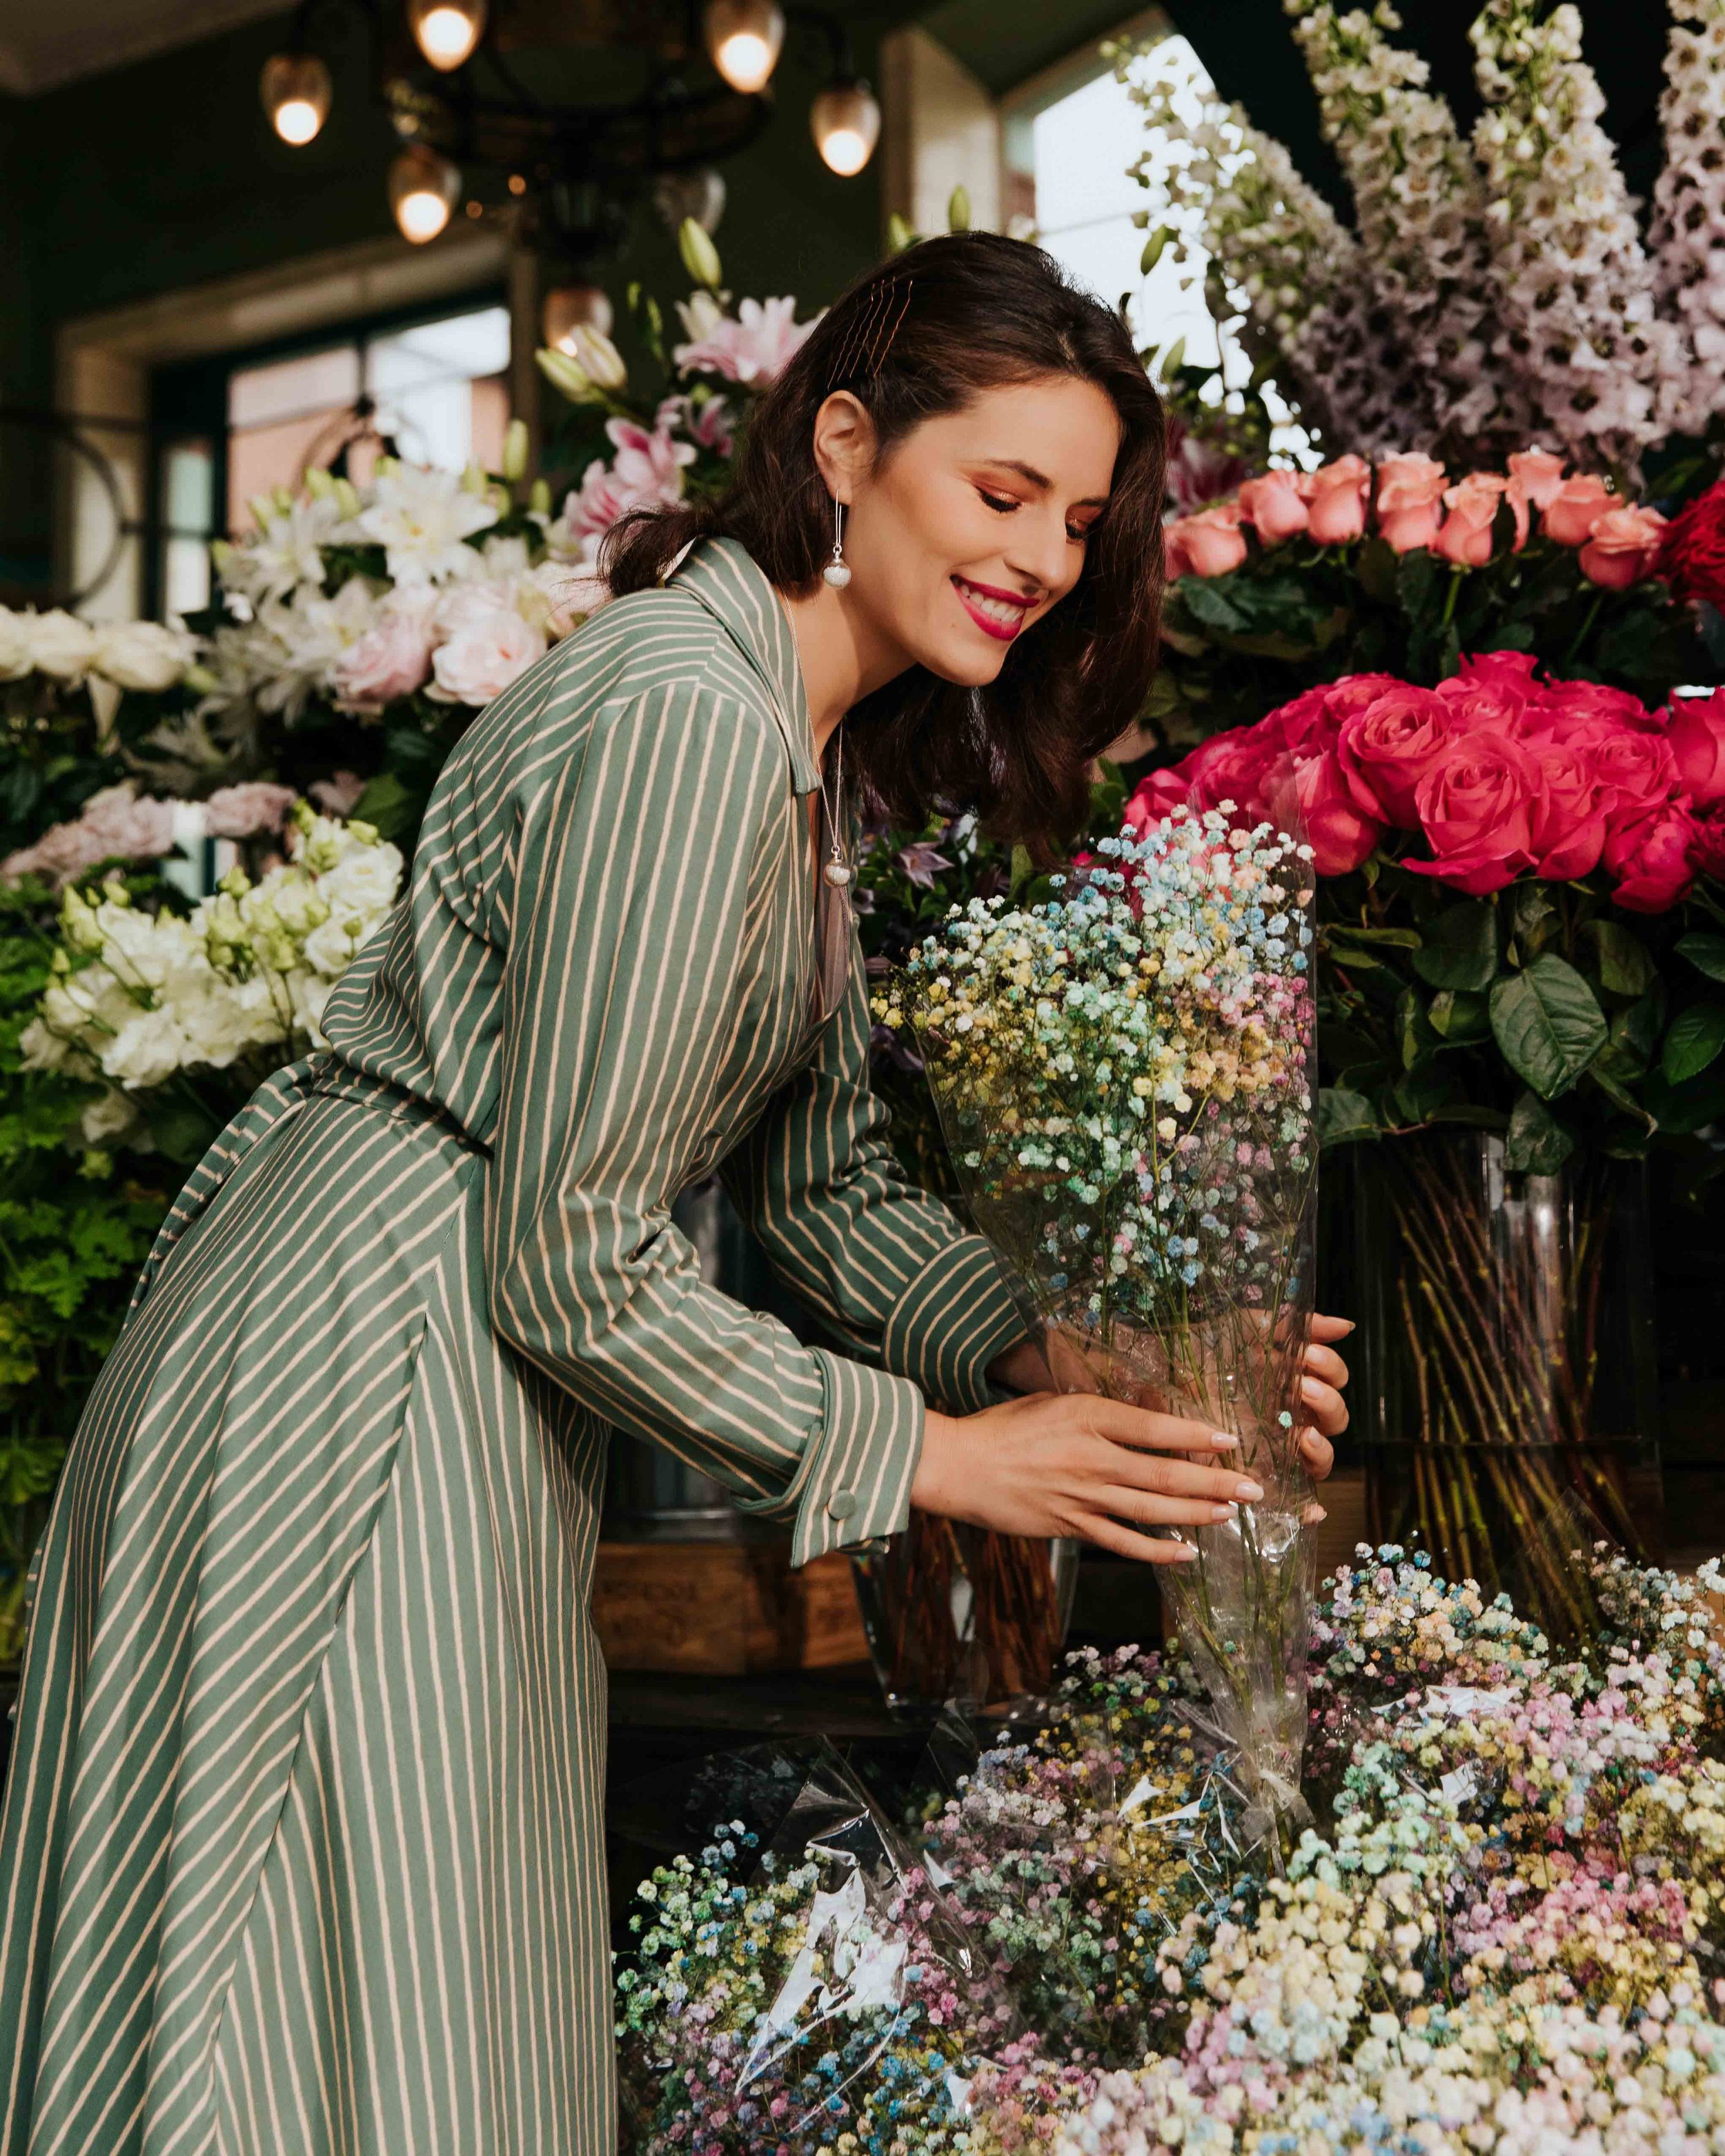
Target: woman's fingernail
x=1248, y=1492
x=1348, y=1323
x=1308, y=1440
x=1310, y=1390
x=1221, y=1512
x=1225, y=1440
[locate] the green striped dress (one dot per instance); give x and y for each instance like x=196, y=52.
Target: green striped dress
x=301, y=1846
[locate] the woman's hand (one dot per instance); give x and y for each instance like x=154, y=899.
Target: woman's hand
x=1077, y=1464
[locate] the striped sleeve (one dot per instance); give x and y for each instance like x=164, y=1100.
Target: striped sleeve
x=887, y=1268
x=634, y=879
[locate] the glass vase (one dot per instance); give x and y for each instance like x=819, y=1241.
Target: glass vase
x=955, y=1616
x=1504, y=1374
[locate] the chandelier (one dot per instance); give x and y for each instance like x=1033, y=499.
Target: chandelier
x=483, y=98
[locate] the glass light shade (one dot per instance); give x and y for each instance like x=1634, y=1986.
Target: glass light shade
x=294, y=88
x=570, y=307
x=423, y=189
x=446, y=31
x=845, y=122
x=744, y=38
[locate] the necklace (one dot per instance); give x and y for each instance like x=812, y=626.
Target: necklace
x=837, y=871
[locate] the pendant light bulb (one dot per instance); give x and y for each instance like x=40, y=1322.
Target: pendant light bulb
x=572, y=307
x=294, y=89
x=845, y=122
x=744, y=38
x=423, y=189
x=446, y=31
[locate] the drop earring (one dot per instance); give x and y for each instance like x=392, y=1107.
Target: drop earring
x=837, y=571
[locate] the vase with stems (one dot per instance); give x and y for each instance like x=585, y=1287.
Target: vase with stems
x=1504, y=1371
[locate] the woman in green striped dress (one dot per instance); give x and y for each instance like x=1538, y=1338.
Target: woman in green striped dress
x=302, y=1847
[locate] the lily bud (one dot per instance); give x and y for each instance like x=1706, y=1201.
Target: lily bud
x=1153, y=246
x=200, y=680
x=514, y=451
x=318, y=483
x=958, y=209
x=701, y=258
x=599, y=357
x=347, y=495
x=476, y=481
x=263, y=509
x=1176, y=355
x=899, y=234
x=562, y=373
x=539, y=497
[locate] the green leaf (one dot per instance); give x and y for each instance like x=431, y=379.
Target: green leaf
x=1549, y=1024
x=1683, y=1109
x=1399, y=939
x=388, y=805
x=1422, y=1091
x=1626, y=965
x=1705, y=953
x=1538, y=1143
x=1460, y=948
x=1021, y=866
x=1343, y=1117
x=1375, y=566
x=1460, y=1016
x=1694, y=1039
x=1413, y=1029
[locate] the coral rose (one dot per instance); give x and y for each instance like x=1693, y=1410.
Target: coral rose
x=1273, y=506
x=1537, y=474
x=1385, y=748
x=1466, y=538
x=1622, y=548
x=1341, y=833
x=1207, y=545
x=1337, y=501
x=1410, y=493
x=1476, y=806
x=1579, y=504
x=1696, y=730
x=1651, y=858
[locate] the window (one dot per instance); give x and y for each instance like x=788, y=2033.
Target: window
x=435, y=393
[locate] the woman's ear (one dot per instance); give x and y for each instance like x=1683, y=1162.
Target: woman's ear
x=844, y=444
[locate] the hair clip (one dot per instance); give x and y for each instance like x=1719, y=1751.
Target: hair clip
x=868, y=337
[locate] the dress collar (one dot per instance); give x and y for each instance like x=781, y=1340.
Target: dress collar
x=721, y=575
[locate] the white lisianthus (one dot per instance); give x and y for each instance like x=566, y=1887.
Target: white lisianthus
x=148, y=656
x=60, y=644
x=422, y=520
x=15, y=659
x=106, y=1119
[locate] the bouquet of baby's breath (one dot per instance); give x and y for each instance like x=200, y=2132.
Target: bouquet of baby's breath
x=1124, y=1075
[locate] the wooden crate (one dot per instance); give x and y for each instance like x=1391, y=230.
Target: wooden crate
x=719, y=1609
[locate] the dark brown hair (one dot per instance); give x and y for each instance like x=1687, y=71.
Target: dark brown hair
x=973, y=311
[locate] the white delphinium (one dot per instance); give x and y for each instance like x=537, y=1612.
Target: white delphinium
x=1573, y=281
x=136, y=998
x=1419, y=211
x=1688, y=236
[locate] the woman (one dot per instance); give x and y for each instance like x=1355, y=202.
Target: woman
x=302, y=1847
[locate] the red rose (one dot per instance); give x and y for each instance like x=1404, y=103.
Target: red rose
x=1651, y=858
x=1306, y=725
x=1636, y=769
x=1563, y=703
x=1495, y=701
x=1476, y=806
x=1509, y=668
x=1691, y=549
x=1158, y=794
x=1706, y=853
x=1231, y=767
x=1568, y=814
x=1696, y=730
x=1341, y=834
x=1385, y=748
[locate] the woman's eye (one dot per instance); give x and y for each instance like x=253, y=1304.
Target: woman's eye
x=1080, y=531
x=1001, y=504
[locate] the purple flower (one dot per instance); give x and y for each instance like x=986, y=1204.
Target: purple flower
x=920, y=860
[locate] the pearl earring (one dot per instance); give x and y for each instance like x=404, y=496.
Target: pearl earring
x=837, y=571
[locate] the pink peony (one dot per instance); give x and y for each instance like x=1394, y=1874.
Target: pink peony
x=1476, y=805
x=1537, y=474
x=1410, y=490
x=1622, y=548
x=1273, y=506
x=489, y=649
x=242, y=812
x=1342, y=834
x=1651, y=858
x=1207, y=545
x=1466, y=538
x=1337, y=493
x=755, y=345
x=1579, y=504
x=1569, y=813
x=1696, y=730
x=1386, y=747
x=391, y=660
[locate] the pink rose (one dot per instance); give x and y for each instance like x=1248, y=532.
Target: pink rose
x=391, y=660
x=1231, y=767
x=1707, y=854
x=1637, y=770
x=1569, y=813
x=1485, y=695
x=1579, y=504
x=1650, y=859
x=1538, y=475
x=1622, y=548
x=1207, y=545
x=241, y=811
x=1410, y=491
x=1476, y=807
x=1385, y=748
x=1466, y=538
x=1696, y=730
x=1272, y=505
x=488, y=651
x=1561, y=707
x=1305, y=724
x=1337, y=497
x=1158, y=794
x=1342, y=834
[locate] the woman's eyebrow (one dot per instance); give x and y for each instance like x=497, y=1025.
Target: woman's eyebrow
x=1042, y=482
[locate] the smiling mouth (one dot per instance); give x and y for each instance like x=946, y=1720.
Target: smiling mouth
x=997, y=613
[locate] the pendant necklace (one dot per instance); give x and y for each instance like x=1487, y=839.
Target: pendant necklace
x=837, y=871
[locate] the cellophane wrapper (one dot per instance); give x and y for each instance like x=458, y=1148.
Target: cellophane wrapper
x=1125, y=1080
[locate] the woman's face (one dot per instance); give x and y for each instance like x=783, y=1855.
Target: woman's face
x=976, y=524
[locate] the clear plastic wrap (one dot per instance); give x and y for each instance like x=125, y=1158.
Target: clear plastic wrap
x=1125, y=1077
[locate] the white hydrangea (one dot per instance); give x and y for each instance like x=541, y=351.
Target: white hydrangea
x=137, y=997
